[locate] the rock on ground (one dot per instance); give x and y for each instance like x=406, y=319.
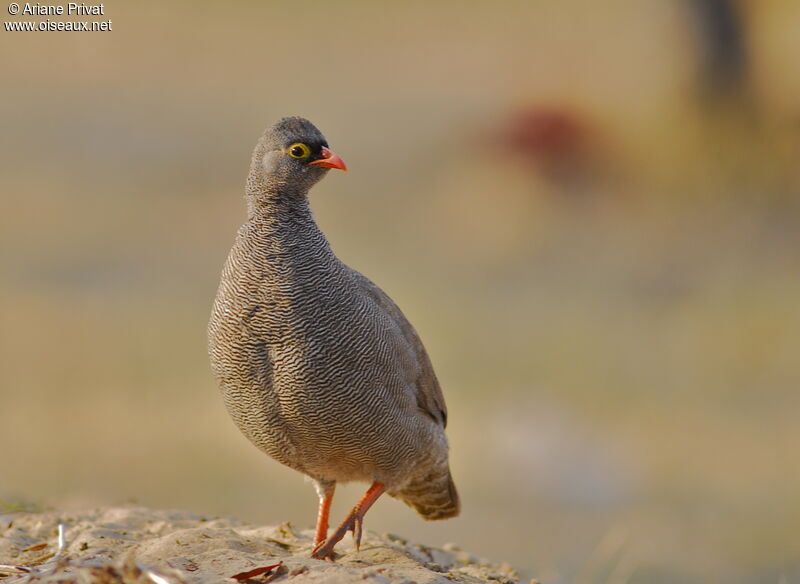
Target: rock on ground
x=141, y=545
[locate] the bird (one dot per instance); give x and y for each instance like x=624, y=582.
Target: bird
x=317, y=366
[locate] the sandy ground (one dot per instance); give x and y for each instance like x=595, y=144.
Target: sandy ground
x=137, y=544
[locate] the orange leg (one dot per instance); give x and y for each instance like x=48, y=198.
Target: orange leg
x=322, y=517
x=353, y=522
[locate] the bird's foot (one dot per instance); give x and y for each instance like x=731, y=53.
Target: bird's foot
x=318, y=553
x=353, y=522
x=324, y=549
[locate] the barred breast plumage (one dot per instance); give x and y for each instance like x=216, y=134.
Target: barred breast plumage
x=317, y=366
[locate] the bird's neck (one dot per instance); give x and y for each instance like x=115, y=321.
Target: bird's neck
x=283, y=223
x=277, y=206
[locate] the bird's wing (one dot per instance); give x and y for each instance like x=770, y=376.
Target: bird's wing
x=428, y=392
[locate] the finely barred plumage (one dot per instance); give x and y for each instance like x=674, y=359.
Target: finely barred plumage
x=317, y=366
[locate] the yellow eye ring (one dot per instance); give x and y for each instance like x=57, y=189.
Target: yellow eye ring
x=299, y=150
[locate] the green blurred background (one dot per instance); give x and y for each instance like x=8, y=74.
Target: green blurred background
x=589, y=211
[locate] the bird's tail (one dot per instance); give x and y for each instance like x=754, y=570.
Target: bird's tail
x=435, y=497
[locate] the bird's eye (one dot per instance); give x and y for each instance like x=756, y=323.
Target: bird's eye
x=299, y=150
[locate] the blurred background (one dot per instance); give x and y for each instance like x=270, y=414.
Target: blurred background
x=590, y=214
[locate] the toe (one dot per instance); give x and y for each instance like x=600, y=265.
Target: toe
x=357, y=522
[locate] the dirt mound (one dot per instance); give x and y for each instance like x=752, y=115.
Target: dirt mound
x=137, y=544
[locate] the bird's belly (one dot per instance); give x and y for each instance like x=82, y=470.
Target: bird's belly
x=346, y=414
x=321, y=388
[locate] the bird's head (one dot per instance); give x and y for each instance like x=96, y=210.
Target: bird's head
x=289, y=159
